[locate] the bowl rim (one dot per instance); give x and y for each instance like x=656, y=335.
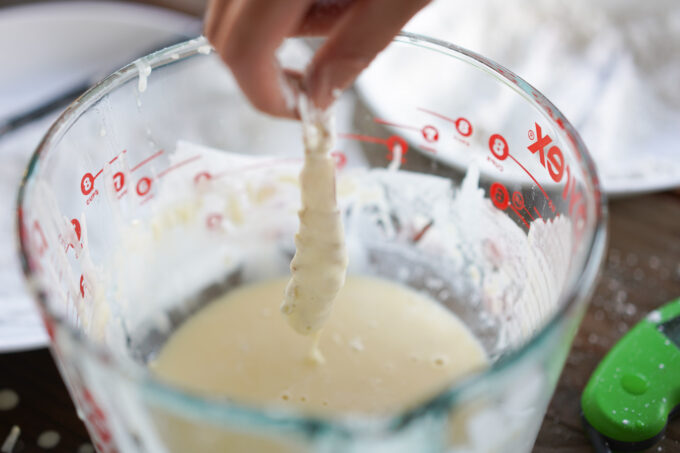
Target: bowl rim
x=222, y=410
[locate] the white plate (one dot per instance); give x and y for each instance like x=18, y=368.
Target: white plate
x=47, y=48
x=611, y=67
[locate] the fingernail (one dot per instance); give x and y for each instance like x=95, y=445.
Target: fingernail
x=325, y=83
x=291, y=86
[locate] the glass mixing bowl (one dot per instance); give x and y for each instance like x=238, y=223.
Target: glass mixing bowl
x=161, y=188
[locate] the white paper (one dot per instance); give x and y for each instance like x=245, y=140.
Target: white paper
x=20, y=324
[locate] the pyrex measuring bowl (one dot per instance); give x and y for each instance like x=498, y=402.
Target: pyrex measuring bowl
x=161, y=188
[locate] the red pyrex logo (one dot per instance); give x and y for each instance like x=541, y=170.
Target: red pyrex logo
x=555, y=158
x=552, y=159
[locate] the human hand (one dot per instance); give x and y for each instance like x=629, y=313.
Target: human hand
x=247, y=33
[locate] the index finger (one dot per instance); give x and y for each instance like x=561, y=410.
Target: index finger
x=247, y=41
x=361, y=33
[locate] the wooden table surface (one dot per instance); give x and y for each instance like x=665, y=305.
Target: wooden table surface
x=642, y=271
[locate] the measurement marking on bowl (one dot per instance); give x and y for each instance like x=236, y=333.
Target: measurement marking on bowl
x=463, y=125
x=118, y=181
x=340, y=159
x=438, y=115
x=117, y=156
x=538, y=213
x=521, y=217
x=143, y=186
x=87, y=181
x=430, y=133
x=391, y=143
x=147, y=160
x=146, y=199
x=202, y=175
x=500, y=197
x=540, y=187
x=364, y=138
x=256, y=166
x=390, y=123
x=554, y=163
x=77, y=230
x=501, y=151
x=464, y=142
x=178, y=165
x=42, y=246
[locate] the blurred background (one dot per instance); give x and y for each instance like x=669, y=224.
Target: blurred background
x=611, y=66
x=193, y=7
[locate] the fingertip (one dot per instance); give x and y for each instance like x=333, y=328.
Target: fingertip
x=267, y=86
x=274, y=105
x=326, y=79
x=275, y=94
x=247, y=39
x=364, y=30
x=291, y=87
